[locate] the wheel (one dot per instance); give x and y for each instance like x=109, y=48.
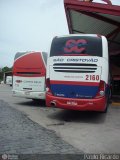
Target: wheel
x=106, y=108
x=108, y=101
x=36, y=100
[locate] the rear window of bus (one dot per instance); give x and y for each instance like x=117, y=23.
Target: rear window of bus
x=76, y=45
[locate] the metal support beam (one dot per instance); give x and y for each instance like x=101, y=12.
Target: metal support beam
x=116, y=31
x=100, y=17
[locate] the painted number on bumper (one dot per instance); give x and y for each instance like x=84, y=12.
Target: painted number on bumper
x=73, y=103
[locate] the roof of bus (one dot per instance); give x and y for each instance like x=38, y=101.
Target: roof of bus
x=95, y=18
x=28, y=60
x=20, y=54
x=69, y=35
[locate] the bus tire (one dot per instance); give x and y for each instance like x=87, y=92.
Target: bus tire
x=106, y=108
x=107, y=103
x=36, y=100
x=110, y=96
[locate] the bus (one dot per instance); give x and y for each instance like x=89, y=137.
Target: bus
x=9, y=80
x=29, y=71
x=78, y=73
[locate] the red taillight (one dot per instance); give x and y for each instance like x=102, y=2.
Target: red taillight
x=48, y=86
x=101, y=91
x=18, y=81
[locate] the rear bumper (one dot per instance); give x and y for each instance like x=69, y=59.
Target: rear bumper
x=29, y=94
x=76, y=104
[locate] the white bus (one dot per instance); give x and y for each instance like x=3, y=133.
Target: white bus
x=29, y=71
x=78, y=73
x=9, y=80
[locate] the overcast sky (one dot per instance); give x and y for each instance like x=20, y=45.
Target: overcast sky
x=30, y=25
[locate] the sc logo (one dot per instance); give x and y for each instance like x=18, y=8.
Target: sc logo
x=77, y=46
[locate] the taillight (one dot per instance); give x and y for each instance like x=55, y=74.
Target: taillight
x=48, y=90
x=101, y=90
x=18, y=81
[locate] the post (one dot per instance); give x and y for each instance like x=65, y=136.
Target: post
x=108, y=1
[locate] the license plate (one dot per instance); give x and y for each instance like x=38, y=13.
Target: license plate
x=73, y=103
x=27, y=93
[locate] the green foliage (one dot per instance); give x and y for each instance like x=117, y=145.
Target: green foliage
x=4, y=69
x=1, y=76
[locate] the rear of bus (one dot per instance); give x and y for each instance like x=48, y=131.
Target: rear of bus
x=29, y=71
x=78, y=73
x=9, y=80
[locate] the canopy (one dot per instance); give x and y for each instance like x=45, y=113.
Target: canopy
x=95, y=18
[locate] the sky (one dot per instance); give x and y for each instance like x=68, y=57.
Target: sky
x=30, y=25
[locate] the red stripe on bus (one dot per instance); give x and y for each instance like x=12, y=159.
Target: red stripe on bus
x=75, y=83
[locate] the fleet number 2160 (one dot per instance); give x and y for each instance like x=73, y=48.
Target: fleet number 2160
x=92, y=77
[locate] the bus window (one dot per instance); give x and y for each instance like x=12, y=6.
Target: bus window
x=76, y=45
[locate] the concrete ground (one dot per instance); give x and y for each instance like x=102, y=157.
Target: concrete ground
x=89, y=132
x=20, y=135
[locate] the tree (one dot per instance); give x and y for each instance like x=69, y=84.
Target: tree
x=4, y=69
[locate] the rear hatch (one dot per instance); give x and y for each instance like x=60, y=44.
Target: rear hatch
x=29, y=73
x=75, y=69
x=33, y=84
x=75, y=80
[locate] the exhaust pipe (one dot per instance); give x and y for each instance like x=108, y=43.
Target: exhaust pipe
x=53, y=104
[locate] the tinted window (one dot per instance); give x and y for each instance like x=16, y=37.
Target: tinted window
x=45, y=57
x=76, y=45
x=19, y=54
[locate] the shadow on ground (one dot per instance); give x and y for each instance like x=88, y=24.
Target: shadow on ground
x=33, y=103
x=68, y=115
x=79, y=116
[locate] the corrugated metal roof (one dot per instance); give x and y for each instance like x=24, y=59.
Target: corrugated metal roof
x=96, y=21
x=86, y=24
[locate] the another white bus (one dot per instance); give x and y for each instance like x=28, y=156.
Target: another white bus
x=78, y=73
x=9, y=80
x=29, y=71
